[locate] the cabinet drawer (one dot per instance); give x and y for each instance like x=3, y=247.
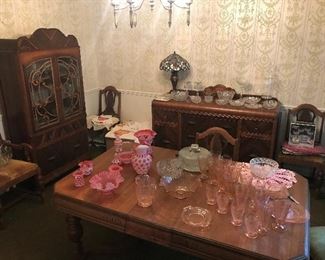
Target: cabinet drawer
x=75, y=146
x=257, y=127
x=191, y=124
x=50, y=158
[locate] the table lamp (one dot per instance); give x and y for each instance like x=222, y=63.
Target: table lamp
x=174, y=63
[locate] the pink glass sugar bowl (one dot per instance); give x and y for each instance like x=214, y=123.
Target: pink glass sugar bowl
x=106, y=181
x=145, y=136
x=86, y=167
x=126, y=157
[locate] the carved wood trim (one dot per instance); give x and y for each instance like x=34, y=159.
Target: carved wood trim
x=44, y=39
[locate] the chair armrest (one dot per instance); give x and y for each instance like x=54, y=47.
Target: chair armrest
x=24, y=147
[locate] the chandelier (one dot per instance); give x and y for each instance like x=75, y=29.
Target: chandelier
x=135, y=5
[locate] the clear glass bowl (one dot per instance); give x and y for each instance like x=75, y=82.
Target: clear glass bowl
x=263, y=168
x=251, y=100
x=171, y=168
x=226, y=94
x=196, y=99
x=196, y=216
x=182, y=187
x=179, y=95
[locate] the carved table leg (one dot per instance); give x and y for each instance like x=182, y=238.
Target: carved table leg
x=75, y=233
x=1, y=212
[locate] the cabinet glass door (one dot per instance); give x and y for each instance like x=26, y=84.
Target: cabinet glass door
x=69, y=75
x=39, y=75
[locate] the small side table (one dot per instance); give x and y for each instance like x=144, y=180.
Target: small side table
x=15, y=172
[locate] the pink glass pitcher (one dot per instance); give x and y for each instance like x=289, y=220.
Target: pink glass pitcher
x=141, y=160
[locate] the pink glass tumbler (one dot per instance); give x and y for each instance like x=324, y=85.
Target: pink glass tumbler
x=79, y=180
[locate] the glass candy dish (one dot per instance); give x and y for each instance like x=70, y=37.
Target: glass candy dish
x=263, y=168
x=196, y=216
x=106, y=181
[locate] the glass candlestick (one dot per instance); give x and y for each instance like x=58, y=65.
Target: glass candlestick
x=118, y=149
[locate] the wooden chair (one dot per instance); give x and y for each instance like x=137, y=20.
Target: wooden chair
x=305, y=113
x=14, y=172
x=112, y=101
x=217, y=139
x=109, y=104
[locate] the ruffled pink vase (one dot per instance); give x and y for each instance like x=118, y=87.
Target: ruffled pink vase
x=141, y=160
x=146, y=136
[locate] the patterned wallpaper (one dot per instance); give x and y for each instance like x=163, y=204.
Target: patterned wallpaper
x=228, y=41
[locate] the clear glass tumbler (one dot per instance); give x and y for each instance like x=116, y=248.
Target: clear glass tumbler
x=211, y=190
x=145, y=190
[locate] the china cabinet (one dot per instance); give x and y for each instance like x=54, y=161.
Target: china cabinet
x=176, y=124
x=42, y=99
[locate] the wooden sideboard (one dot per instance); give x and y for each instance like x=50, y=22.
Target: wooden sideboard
x=177, y=122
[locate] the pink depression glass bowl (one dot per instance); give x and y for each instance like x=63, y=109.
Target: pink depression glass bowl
x=106, y=181
x=125, y=157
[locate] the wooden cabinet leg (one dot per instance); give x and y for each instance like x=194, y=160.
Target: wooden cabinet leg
x=75, y=233
x=39, y=186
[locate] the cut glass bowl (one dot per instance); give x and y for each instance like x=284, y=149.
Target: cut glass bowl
x=170, y=168
x=263, y=168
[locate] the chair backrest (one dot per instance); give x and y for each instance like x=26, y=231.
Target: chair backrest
x=218, y=139
x=307, y=114
x=112, y=101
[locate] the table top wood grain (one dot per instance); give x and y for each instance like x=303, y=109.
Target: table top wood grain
x=162, y=224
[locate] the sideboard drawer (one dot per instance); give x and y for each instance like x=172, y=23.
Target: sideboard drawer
x=164, y=116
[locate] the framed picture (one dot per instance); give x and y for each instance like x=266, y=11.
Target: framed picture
x=302, y=134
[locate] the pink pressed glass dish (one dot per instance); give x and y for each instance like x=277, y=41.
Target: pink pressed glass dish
x=106, y=181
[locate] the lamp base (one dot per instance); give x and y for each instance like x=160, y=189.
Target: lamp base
x=174, y=79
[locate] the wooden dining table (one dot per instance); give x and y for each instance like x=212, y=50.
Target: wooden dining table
x=161, y=223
